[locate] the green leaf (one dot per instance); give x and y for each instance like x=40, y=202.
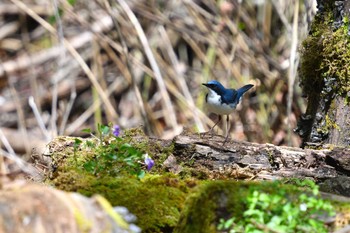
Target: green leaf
x=281, y=211
x=125, y=146
x=90, y=144
x=104, y=129
x=71, y=2
x=86, y=130
x=52, y=19
x=141, y=174
x=229, y=223
x=90, y=166
x=77, y=141
x=241, y=26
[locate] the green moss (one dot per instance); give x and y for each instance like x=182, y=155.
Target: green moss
x=199, y=173
x=220, y=199
x=62, y=148
x=156, y=200
x=134, y=133
x=311, y=59
x=166, y=203
x=329, y=124
x=215, y=200
x=105, y=154
x=159, y=150
x=336, y=62
x=325, y=60
x=199, y=214
x=324, y=74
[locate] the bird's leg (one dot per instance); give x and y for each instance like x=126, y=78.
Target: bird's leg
x=227, y=129
x=212, y=128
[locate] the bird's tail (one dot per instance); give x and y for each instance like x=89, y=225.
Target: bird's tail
x=244, y=89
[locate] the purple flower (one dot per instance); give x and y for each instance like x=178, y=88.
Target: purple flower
x=116, y=130
x=149, y=162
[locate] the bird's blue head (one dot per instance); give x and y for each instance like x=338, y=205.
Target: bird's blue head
x=215, y=86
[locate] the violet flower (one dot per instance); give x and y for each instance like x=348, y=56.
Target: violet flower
x=149, y=162
x=116, y=130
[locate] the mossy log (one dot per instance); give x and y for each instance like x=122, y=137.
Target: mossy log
x=205, y=157
x=206, y=172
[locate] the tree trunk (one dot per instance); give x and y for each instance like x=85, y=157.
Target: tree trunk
x=341, y=135
x=324, y=73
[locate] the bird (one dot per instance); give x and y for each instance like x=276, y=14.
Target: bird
x=223, y=101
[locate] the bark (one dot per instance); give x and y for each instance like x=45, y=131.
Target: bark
x=262, y=161
x=341, y=134
x=253, y=161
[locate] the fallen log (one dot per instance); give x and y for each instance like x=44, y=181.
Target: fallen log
x=253, y=161
x=207, y=158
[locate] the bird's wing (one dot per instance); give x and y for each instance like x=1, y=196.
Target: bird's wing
x=230, y=96
x=244, y=89
x=233, y=96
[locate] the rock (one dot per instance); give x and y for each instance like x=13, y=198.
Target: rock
x=26, y=207
x=338, y=185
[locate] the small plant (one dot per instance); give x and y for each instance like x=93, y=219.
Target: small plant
x=76, y=145
x=281, y=212
x=113, y=155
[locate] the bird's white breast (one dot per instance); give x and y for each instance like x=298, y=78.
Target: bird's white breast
x=215, y=106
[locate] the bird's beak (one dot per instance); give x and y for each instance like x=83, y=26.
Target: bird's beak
x=205, y=84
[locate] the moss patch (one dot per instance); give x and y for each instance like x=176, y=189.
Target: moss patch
x=325, y=61
x=101, y=166
x=324, y=73
x=336, y=62
x=202, y=208
x=215, y=200
x=161, y=201
x=312, y=57
x=156, y=200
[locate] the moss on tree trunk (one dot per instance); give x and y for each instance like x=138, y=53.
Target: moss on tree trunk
x=324, y=73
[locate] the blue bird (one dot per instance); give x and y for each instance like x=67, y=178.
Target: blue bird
x=222, y=101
